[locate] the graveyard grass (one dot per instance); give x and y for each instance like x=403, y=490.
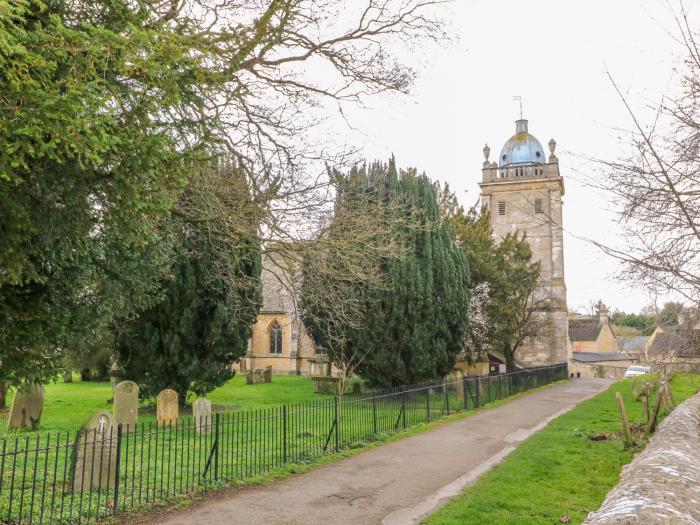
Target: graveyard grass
x=68, y=405
x=559, y=472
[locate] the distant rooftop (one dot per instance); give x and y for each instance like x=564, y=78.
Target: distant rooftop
x=594, y=357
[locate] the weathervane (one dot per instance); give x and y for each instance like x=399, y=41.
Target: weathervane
x=520, y=100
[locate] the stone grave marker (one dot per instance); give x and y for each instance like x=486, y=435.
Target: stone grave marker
x=67, y=377
x=167, y=407
x=267, y=374
x=126, y=404
x=96, y=453
x=201, y=413
x=249, y=379
x=26, y=407
x=257, y=374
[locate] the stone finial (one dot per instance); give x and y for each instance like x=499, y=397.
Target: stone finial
x=487, y=152
x=552, y=146
x=494, y=165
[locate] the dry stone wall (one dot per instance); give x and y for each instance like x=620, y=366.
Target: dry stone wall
x=662, y=484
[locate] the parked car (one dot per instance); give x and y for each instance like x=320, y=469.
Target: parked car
x=637, y=371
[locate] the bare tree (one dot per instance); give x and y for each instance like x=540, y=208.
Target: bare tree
x=656, y=187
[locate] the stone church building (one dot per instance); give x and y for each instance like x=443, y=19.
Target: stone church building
x=523, y=190
x=279, y=338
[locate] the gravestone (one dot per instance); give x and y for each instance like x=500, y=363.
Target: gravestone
x=267, y=374
x=249, y=379
x=26, y=407
x=67, y=377
x=95, y=463
x=126, y=404
x=257, y=375
x=201, y=412
x=167, y=407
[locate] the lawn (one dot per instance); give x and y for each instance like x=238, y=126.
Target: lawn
x=559, y=471
x=68, y=405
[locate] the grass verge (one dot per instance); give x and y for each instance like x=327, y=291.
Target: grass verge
x=559, y=474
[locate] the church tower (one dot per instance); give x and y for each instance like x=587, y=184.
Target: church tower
x=523, y=192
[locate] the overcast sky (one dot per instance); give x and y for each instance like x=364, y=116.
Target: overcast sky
x=555, y=55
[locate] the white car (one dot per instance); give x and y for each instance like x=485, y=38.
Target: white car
x=637, y=371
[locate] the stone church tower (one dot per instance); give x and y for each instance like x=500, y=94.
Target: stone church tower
x=523, y=192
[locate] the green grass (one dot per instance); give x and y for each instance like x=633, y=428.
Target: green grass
x=68, y=405
x=558, y=471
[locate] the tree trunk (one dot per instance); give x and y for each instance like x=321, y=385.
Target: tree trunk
x=509, y=354
x=3, y=395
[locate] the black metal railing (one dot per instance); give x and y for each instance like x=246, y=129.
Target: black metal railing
x=78, y=477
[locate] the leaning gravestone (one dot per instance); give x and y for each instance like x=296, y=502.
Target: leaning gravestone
x=249, y=379
x=95, y=453
x=257, y=375
x=201, y=412
x=26, y=407
x=126, y=404
x=267, y=374
x=167, y=407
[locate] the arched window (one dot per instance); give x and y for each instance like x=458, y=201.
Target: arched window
x=275, y=338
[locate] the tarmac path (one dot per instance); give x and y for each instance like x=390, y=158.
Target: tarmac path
x=399, y=482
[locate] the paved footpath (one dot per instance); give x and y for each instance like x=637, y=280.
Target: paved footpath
x=399, y=482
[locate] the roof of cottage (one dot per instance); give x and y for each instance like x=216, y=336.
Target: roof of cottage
x=594, y=357
x=584, y=329
x=675, y=341
x=634, y=344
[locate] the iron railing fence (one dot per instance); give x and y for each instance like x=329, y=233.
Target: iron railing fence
x=78, y=477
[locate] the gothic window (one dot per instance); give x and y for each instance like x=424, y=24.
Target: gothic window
x=539, y=208
x=275, y=338
x=501, y=207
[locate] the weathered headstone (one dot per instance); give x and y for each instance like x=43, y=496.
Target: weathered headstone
x=67, y=377
x=201, y=413
x=126, y=404
x=26, y=407
x=267, y=374
x=249, y=379
x=257, y=375
x=167, y=407
x=96, y=453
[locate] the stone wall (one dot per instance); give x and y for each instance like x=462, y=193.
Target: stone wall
x=605, y=369
x=662, y=484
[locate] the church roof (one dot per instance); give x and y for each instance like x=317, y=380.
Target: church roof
x=584, y=329
x=522, y=149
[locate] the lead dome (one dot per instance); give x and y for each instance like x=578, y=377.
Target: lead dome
x=522, y=149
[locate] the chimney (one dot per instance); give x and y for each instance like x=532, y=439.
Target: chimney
x=603, y=313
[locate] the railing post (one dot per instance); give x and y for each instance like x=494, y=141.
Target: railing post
x=427, y=404
x=116, y=468
x=447, y=397
x=374, y=414
x=337, y=423
x=465, y=392
x=478, y=392
x=284, y=433
x=403, y=409
x=216, y=446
